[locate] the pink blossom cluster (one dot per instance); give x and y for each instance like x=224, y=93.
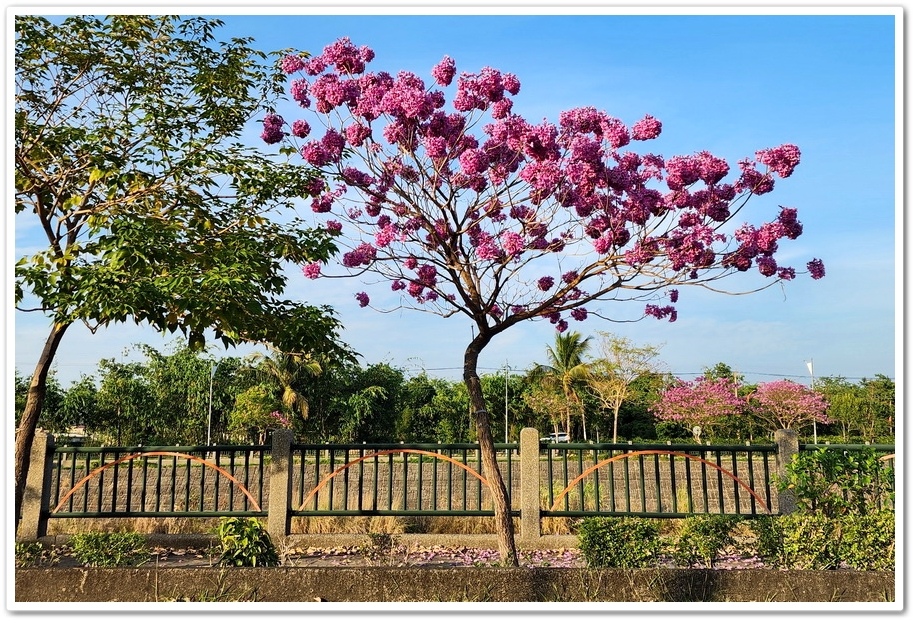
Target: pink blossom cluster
x=281, y=419
x=701, y=402
x=399, y=124
x=273, y=129
x=668, y=311
x=787, y=404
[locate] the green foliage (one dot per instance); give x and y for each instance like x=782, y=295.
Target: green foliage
x=700, y=539
x=862, y=410
x=818, y=541
x=110, y=549
x=245, y=543
x=837, y=482
x=252, y=412
x=868, y=541
x=146, y=206
x=619, y=542
x=798, y=541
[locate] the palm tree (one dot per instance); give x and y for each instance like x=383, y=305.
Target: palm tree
x=287, y=371
x=564, y=370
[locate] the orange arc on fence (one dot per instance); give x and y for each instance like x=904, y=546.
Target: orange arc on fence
x=671, y=452
x=197, y=459
x=345, y=466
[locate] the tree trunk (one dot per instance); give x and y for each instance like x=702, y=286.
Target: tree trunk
x=25, y=434
x=505, y=532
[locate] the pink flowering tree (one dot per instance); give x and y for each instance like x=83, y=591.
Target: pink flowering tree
x=786, y=404
x=464, y=207
x=703, y=402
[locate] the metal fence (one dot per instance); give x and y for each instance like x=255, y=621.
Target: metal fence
x=394, y=479
x=569, y=480
x=173, y=481
x=659, y=480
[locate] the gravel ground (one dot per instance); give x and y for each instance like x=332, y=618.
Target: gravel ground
x=394, y=556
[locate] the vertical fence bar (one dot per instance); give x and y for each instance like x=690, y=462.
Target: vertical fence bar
x=766, y=479
x=375, y=477
x=130, y=482
x=390, y=480
x=451, y=476
x=582, y=481
x=704, y=482
x=549, y=477
x=672, y=472
x=750, y=480
x=735, y=482
x=479, y=484
x=658, y=483
x=435, y=481
x=405, y=486
x=720, y=483
x=360, y=479
x=246, y=465
x=689, y=485
x=565, y=464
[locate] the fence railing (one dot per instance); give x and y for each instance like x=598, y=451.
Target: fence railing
x=659, y=480
x=172, y=481
x=394, y=479
x=286, y=479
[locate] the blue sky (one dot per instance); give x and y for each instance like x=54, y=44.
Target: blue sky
x=728, y=84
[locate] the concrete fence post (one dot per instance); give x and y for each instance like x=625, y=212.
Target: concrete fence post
x=530, y=478
x=787, y=449
x=36, y=498
x=280, y=486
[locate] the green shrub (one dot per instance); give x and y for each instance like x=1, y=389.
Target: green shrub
x=816, y=541
x=837, y=482
x=620, y=542
x=700, y=538
x=867, y=541
x=245, y=543
x=798, y=541
x=110, y=549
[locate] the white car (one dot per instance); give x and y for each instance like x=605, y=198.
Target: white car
x=560, y=437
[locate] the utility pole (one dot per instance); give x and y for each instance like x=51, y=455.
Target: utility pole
x=810, y=365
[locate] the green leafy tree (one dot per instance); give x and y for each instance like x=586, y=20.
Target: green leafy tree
x=370, y=404
x=845, y=404
x=127, y=161
x=125, y=400
x=880, y=398
x=257, y=410
x=80, y=403
x=619, y=363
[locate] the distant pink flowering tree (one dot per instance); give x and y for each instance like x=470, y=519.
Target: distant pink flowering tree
x=474, y=210
x=786, y=404
x=703, y=402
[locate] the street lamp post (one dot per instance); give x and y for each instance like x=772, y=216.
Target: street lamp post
x=213, y=368
x=810, y=365
x=507, y=402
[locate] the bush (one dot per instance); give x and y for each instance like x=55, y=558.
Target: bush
x=867, y=541
x=110, y=549
x=838, y=482
x=798, y=541
x=619, y=542
x=245, y=543
x=700, y=538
